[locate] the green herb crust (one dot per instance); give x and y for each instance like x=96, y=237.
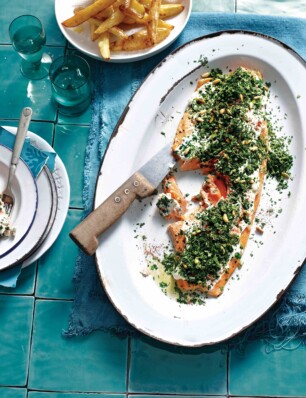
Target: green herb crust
x=232, y=128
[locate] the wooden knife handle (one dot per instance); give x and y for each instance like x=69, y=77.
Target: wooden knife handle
x=85, y=235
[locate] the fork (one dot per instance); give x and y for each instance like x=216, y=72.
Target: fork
x=23, y=125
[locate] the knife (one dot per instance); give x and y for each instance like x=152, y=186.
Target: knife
x=141, y=184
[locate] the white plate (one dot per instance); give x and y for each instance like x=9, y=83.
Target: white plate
x=81, y=40
x=269, y=267
x=54, y=206
x=61, y=181
x=53, y=190
x=40, y=225
x=26, y=200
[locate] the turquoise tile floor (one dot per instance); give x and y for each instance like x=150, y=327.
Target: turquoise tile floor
x=36, y=361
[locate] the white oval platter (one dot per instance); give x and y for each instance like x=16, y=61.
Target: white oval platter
x=270, y=262
x=26, y=201
x=80, y=38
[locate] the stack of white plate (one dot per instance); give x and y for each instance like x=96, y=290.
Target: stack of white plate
x=40, y=209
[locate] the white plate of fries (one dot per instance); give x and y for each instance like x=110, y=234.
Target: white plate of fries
x=122, y=30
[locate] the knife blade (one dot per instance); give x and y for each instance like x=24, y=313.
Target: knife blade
x=139, y=185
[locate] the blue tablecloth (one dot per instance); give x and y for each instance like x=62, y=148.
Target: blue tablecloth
x=114, y=85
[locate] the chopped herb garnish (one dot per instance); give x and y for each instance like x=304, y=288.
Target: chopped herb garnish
x=232, y=129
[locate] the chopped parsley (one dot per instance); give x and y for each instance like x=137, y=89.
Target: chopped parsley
x=210, y=242
x=232, y=129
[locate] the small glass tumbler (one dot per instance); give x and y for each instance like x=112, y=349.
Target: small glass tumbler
x=28, y=38
x=70, y=81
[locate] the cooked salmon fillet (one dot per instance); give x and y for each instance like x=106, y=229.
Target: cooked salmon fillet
x=214, y=189
x=218, y=186
x=172, y=203
x=185, y=128
x=170, y=186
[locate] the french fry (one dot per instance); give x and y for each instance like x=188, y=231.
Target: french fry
x=139, y=40
x=153, y=20
x=105, y=13
x=109, y=10
x=131, y=18
x=103, y=43
x=146, y=3
x=94, y=22
x=135, y=11
x=118, y=32
x=163, y=24
x=78, y=9
x=170, y=10
x=137, y=8
x=145, y=20
x=93, y=27
x=115, y=19
x=165, y=11
x=86, y=13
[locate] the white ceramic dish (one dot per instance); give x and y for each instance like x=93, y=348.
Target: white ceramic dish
x=26, y=201
x=61, y=180
x=269, y=267
x=54, y=208
x=39, y=226
x=81, y=40
x=53, y=190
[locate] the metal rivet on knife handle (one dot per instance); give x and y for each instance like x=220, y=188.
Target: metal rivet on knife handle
x=136, y=183
x=117, y=199
x=126, y=191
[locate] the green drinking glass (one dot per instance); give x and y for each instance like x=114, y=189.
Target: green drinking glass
x=70, y=82
x=28, y=38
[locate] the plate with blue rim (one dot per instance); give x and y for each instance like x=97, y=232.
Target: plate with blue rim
x=53, y=202
x=25, y=207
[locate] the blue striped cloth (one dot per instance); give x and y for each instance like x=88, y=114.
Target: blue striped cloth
x=114, y=86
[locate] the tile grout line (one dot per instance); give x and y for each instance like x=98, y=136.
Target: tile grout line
x=137, y=394
x=31, y=337
x=53, y=134
x=128, y=366
x=35, y=278
x=37, y=297
x=16, y=294
x=31, y=342
x=76, y=393
x=199, y=395
x=46, y=45
x=57, y=113
x=49, y=121
x=227, y=370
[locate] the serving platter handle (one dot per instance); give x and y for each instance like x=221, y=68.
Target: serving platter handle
x=86, y=234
